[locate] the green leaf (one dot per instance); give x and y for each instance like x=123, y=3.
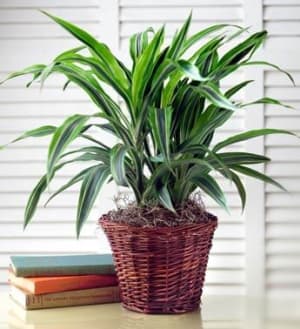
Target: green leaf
x=201, y=34
x=88, y=83
x=91, y=139
x=206, y=124
x=237, y=33
x=248, y=135
x=209, y=185
x=63, y=136
x=35, y=195
x=34, y=199
x=162, y=170
x=117, y=165
x=232, y=91
x=239, y=185
x=190, y=70
x=138, y=43
x=74, y=180
x=165, y=198
x=160, y=121
x=99, y=69
x=89, y=191
x=240, y=188
x=267, y=100
x=68, y=52
x=247, y=47
x=99, y=153
x=100, y=49
x=36, y=70
x=271, y=65
x=43, y=183
x=202, y=149
x=37, y=132
x=213, y=93
x=45, y=73
x=161, y=74
x=179, y=39
x=233, y=158
x=257, y=175
x=144, y=68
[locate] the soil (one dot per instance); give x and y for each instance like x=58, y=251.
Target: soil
x=191, y=212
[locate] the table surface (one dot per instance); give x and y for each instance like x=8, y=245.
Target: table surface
x=217, y=312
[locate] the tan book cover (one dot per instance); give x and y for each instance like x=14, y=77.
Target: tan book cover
x=67, y=298
x=104, y=313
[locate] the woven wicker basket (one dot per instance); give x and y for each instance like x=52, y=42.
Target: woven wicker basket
x=161, y=269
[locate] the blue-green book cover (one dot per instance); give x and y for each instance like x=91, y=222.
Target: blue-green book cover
x=26, y=266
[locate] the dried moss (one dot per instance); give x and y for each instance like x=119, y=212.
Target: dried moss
x=191, y=212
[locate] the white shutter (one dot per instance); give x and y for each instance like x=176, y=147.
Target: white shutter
x=282, y=209
x=282, y=249
x=26, y=37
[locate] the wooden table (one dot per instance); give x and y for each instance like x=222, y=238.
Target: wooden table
x=217, y=313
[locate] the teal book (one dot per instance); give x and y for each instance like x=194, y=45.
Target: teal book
x=27, y=266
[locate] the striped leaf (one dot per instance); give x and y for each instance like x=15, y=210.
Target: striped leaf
x=245, y=48
x=88, y=83
x=90, y=187
x=232, y=158
x=63, y=136
x=209, y=185
x=211, y=92
x=179, y=39
x=99, y=69
x=267, y=100
x=165, y=198
x=37, y=132
x=35, y=70
x=257, y=175
x=35, y=195
x=144, y=68
x=240, y=188
x=276, y=67
x=138, y=43
x=160, y=121
x=232, y=91
x=202, y=150
x=190, y=70
x=100, y=49
x=34, y=199
x=74, y=180
x=117, y=164
x=173, y=109
x=201, y=34
x=100, y=153
x=248, y=135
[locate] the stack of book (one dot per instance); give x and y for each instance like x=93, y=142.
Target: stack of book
x=56, y=281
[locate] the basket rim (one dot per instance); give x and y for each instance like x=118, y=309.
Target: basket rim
x=213, y=221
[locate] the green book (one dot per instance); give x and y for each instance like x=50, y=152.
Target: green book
x=26, y=266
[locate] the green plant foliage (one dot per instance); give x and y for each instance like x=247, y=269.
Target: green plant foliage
x=164, y=134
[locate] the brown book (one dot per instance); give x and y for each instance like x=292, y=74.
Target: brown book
x=67, y=298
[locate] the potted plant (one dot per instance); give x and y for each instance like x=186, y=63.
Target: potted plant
x=165, y=151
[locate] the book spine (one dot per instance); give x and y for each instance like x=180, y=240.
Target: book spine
x=64, y=270
x=72, y=298
x=22, y=283
x=77, y=282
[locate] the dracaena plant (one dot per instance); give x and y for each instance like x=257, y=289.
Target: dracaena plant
x=164, y=131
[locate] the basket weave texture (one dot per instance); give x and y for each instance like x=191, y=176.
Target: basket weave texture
x=160, y=269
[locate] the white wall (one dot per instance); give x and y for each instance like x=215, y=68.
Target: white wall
x=252, y=251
